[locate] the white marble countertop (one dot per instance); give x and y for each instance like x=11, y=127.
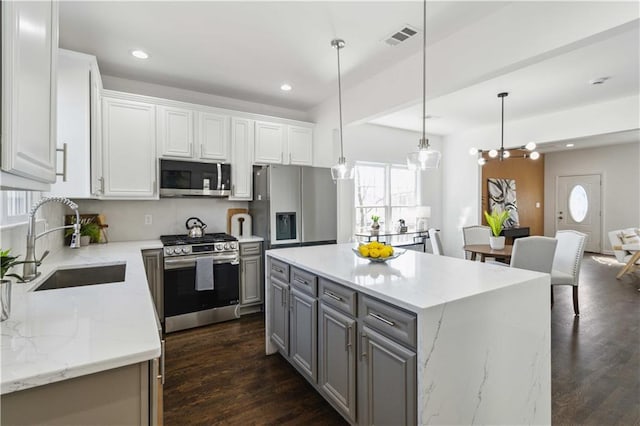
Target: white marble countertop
x=415, y=281
x=251, y=239
x=58, y=334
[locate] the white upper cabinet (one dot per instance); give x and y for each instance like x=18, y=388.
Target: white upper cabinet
x=175, y=132
x=129, y=149
x=213, y=136
x=29, y=56
x=300, y=142
x=242, y=137
x=270, y=143
x=78, y=107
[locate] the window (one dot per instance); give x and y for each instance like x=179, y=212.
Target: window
x=15, y=206
x=385, y=190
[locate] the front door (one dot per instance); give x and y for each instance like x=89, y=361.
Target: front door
x=578, y=207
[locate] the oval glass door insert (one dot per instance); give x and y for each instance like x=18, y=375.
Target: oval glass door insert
x=578, y=203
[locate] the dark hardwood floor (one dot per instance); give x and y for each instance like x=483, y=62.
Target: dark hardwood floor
x=220, y=375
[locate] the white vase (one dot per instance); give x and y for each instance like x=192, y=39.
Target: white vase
x=5, y=299
x=496, y=243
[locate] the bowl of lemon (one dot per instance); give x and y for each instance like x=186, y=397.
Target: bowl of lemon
x=377, y=252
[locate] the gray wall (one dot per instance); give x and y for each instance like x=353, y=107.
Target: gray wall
x=619, y=166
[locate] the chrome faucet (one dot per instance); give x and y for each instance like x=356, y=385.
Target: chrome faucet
x=30, y=270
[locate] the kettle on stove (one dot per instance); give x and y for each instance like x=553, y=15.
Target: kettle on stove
x=195, y=227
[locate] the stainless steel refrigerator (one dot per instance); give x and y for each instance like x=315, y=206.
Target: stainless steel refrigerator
x=293, y=206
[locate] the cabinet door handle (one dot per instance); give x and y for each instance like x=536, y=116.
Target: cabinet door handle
x=291, y=302
x=64, y=162
x=233, y=189
x=348, y=337
x=333, y=296
x=289, y=157
x=282, y=302
x=162, y=352
x=101, y=185
x=363, y=341
x=380, y=318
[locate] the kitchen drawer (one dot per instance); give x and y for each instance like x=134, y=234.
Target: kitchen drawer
x=250, y=249
x=279, y=270
x=390, y=320
x=338, y=296
x=304, y=281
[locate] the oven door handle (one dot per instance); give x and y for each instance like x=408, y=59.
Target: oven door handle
x=190, y=262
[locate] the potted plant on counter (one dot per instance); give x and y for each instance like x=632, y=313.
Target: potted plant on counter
x=89, y=233
x=7, y=262
x=495, y=220
x=375, y=226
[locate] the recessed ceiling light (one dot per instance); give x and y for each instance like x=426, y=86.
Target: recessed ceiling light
x=285, y=87
x=569, y=145
x=140, y=54
x=599, y=80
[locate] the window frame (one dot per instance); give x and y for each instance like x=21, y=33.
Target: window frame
x=387, y=207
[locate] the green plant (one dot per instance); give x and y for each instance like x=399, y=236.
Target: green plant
x=375, y=218
x=90, y=229
x=495, y=220
x=7, y=262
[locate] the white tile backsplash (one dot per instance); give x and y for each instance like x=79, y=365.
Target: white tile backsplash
x=126, y=219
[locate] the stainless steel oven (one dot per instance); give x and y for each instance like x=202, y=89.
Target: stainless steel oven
x=186, y=306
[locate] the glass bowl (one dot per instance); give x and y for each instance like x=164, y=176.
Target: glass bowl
x=396, y=253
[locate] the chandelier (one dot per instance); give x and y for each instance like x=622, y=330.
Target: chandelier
x=525, y=151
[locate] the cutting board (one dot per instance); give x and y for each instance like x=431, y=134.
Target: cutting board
x=231, y=212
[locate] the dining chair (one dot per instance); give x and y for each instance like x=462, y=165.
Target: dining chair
x=567, y=261
x=476, y=234
x=436, y=244
x=626, y=249
x=534, y=253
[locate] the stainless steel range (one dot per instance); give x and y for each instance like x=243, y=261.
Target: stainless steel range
x=201, y=280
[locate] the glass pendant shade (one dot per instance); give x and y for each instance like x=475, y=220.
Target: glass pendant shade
x=342, y=170
x=423, y=159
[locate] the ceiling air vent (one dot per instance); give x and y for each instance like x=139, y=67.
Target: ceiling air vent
x=398, y=37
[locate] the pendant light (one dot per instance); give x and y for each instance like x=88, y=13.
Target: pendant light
x=424, y=158
x=342, y=170
x=526, y=151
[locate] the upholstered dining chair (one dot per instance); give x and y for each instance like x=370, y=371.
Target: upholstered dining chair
x=476, y=234
x=534, y=253
x=436, y=244
x=567, y=261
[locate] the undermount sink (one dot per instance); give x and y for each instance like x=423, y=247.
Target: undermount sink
x=64, y=278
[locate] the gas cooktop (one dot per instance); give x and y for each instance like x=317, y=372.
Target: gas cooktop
x=179, y=240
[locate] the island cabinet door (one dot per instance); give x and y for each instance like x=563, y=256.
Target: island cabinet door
x=337, y=359
x=280, y=315
x=387, y=381
x=304, y=333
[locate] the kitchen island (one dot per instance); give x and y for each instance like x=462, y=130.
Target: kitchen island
x=63, y=340
x=421, y=339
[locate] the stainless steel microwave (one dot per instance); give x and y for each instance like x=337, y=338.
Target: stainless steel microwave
x=192, y=179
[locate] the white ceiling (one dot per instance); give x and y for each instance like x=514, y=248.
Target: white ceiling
x=554, y=84
x=246, y=50
x=615, y=138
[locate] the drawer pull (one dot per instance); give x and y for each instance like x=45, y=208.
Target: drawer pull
x=278, y=270
x=301, y=281
x=333, y=296
x=384, y=320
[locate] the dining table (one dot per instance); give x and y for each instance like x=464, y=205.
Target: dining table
x=485, y=250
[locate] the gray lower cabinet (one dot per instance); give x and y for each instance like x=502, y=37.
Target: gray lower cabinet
x=154, y=267
x=279, y=294
x=303, y=344
x=121, y=396
x=337, y=360
x=251, y=274
x=387, y=381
